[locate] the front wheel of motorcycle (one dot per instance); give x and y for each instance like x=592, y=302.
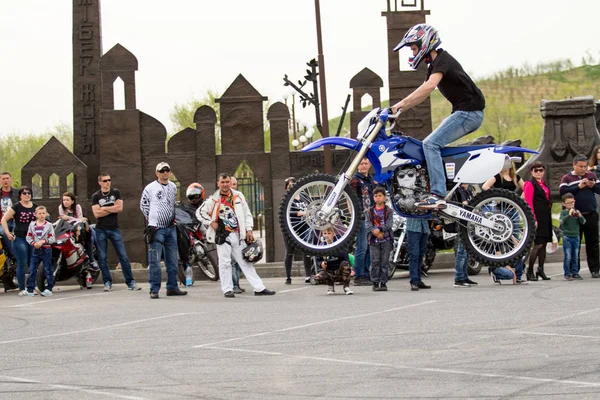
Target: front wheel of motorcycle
x=305, y=231
x=514, y=235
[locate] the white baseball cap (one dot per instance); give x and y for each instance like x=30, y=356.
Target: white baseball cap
x=162, y=165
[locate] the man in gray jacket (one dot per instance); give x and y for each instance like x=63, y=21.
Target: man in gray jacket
x=227, y=212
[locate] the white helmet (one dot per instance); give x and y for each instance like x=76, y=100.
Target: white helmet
x=425, y=37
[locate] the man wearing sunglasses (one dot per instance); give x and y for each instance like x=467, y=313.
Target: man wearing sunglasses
x=106, y=206
x=158, y=206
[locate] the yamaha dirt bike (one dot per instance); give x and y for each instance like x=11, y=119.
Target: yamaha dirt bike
x=192, y=246
x=496, y=226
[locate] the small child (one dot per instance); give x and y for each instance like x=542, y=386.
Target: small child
x=570, y=219
x=335, y=268
x=379, y=221
x=40, y=235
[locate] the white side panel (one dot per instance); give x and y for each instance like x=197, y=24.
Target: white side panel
x=480, y=169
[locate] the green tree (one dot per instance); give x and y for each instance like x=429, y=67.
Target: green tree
x=17, y=149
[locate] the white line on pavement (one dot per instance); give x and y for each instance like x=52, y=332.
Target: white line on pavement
x=314, y=323
x=560, y=335
x=422, y=369
x=71, y=388
x=94, y=329
x=293, y=290
x=35, y=303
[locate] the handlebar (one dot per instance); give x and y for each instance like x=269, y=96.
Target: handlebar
x=392, y=118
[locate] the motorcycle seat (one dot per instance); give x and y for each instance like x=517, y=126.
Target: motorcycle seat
x=454, y=150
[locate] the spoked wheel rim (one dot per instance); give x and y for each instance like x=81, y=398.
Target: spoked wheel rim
x=209, y=270
x=509, y=235
x=308, y=228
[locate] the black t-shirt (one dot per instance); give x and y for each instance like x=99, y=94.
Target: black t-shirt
x=456, y=85
x=111, y=221
x=23, y=217
x=504, y=184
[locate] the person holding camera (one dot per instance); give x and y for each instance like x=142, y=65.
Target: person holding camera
x=584, y=186
x=230, y=225
x=570, y=219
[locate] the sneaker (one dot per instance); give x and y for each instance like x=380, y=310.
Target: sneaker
x=421, y=285
x=496, y=280
x=229, y=294
x=46, y=293
x=568, y=278
x=176, y=292
x=330, y=290
x=347, y=290
x=383, y=287
x=595, y=275
x=431, y=202
x=376, y=287
x=135, y=286
x=461, y=284
x=522, y=282
x=94, y=266
x=237, y=290
x=24, y=293
x=414, y=287
x=154, y=295
x=306, y=279
x=265, y=292
x=470, y=282
x=288, y=281
x=107, y=287
x=578, y=277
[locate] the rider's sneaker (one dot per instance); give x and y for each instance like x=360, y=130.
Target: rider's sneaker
x=330, y=290
x=133, y=286
x=107, y=287
x=347, y=290
x=46, y=293
x=432, y=202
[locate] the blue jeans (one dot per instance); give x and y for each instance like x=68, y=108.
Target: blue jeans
x=45, y=256
x=503, y=273
x=457, y=125
x=23, y=251
x=462, y=262
x=571, y=250
x=362, y=255
x=417, y=246
x=114, y=235
x=236, y=272
x=8, y=244
x=164, y=240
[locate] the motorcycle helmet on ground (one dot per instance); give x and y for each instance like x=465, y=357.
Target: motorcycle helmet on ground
x=195, y=193
x=426, y=38
x=253, y=252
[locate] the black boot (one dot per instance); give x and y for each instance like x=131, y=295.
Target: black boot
x=530, y=275
x=540, y=274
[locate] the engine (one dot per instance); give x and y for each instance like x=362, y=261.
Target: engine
x=410, y=185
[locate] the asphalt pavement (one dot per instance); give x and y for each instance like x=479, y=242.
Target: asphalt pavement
x=536, y=341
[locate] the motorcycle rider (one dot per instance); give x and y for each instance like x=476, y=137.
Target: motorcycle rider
x=230, y=222
x=446, y=74
x=195, y=195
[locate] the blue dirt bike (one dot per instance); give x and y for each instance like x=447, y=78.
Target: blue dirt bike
x=496, y=227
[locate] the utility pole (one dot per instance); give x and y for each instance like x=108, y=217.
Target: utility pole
x=321, y=61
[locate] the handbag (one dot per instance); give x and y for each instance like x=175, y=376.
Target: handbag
x=552, y=246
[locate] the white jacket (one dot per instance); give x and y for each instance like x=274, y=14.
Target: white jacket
x=209, y=212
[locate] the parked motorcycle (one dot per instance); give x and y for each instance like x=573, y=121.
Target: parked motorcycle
x=193, y=248
x=69, y=258
x=494, y=236
x=8, y=270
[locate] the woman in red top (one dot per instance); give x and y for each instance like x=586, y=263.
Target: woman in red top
x=537, y=195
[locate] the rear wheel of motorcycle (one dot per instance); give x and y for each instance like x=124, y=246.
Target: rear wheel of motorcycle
x=430, y=254
x=305, y=232
x=210, y=268
x=494, y=247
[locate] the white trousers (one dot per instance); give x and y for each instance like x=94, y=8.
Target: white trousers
x=232, y=250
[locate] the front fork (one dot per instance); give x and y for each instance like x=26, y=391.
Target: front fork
x=345, y=178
